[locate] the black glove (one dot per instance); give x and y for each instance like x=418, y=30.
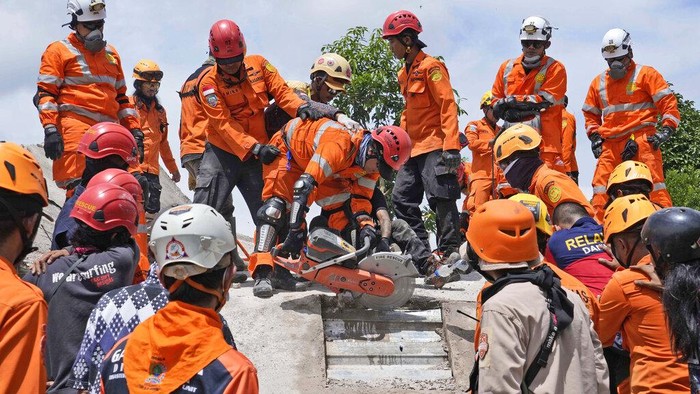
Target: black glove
x=463, y=141
x=452, y=158
x=266, y=153
x=383, y=245
x=573, y=175
x=464, y=221
x=53, y=143
x=138, y=136
x=630, y=150
x=660, y=137
x=295, y=241
x=306, y=111
x=512, y=110
x=596, y=144
x=371, y=232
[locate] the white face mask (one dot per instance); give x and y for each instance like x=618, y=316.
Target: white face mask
x=94, y=41
x=531, y=61
x=617, y=70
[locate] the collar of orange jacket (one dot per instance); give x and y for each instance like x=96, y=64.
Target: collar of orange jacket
x=6, y=265
x=167, y=350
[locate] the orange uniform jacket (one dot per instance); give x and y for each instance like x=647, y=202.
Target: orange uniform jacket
x=23, y=315
x=479, y=133
x=554, y=188
x=193, y=120
x=568, y=141
x=639, y=314
x=154, y=125
x=236, y=110
x=546, y=82
x=430, y=114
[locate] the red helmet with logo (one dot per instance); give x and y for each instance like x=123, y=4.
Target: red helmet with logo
x=226, y=40
x=107, y=138
x=105, y=207
x=119, y=177
x=395, y=146
x=399, y=21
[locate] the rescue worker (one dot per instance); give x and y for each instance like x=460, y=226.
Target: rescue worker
x=329, y=74
x=105, y=145
x=164, y=357
x=577, y=244
x=154, y=124
x=481, y=135
x=104, y=258
x=322, y=161
x=23, y=195
x=234, y=93
x=629, y=177
x=621, y=110
x=502, y=241
x=81, y=83
x=430, y=119
x=534, y=78
x=517, y=151
x=636, y=311
x=672, y=235
x=568, y=141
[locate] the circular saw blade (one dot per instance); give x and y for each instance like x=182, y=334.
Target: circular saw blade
x=403, y=291
x=400, y=269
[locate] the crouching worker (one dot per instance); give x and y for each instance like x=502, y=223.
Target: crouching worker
x=192, y=245
x=535, y=335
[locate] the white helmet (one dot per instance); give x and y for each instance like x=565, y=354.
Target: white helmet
x=87, y=10
x=334, y=65
x=535, y=28
x=189, y=240
x=616, y=42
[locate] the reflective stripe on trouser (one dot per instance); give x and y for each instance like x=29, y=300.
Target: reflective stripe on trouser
x=610, y=158
x=480, y=191
x=553, y=161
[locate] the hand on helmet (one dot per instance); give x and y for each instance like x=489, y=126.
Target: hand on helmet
x=596, y=144
x=349, y=123
x=306, y=111
x=660, y=137
x=138, y=136
x=53, y=143
x=452, y=159
x=266, y=153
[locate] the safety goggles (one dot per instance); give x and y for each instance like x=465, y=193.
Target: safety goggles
x=96, y=6
x=94, y=25
x=151, y=76
x=537, y=44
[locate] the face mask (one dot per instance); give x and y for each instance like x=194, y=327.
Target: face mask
x=531, y=61
x=94, y=42
x=617, y=70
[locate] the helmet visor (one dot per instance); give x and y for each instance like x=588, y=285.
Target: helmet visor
x=335, y=84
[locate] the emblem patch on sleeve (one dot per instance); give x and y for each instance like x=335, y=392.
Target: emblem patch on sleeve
x=483, y=346
x=553, y=192
x=435, y=74
x=210, y=96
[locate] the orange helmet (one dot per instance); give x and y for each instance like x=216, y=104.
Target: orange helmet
x=630, y=170
x=20, y=172
x=625, y=212
x=107, y=138
x=503, y=234
x=519, y=137
x=147, y=71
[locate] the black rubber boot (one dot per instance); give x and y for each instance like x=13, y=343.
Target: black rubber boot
x=282, y=279
x=263, y=283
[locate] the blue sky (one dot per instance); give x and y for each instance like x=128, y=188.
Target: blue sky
x=474, y=37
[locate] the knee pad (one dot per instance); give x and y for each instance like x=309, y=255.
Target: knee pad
x=271, y=218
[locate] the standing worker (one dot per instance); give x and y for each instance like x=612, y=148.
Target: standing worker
x=621, y=111
x=430, y=119
x=568, y=141
x=23, y=195
x=535, y=78
x=81, y=83
x=234, y=93
x=154, y=124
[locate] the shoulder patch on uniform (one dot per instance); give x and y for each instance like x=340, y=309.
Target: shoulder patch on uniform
x=483, y=346
x=269, y=67
x=210, y=95
x=435, y=74
x=110, y=58
x=539, y=78
x=553, y=192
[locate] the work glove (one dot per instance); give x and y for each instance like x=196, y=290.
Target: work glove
x=452, y=159
x=463, y=142
x=348, y=123
x=295, y=241
x=53, y=142
x=630, y=150
x=371, y=232
x=596, y=144
x=464, y=221
x=660, y=137
x=384, y=245
x=266, y=153
x=306, y=111
x=138, y=136
x=512, y=110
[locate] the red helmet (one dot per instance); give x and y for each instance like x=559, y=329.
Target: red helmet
x=105, y=207
x=396, y=148
x=119, y=177
x=107, y=138
x=226, y=40
x=399, y=21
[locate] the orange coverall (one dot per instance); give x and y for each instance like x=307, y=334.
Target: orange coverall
x=23, y=315
x=638, y=313
x=326, y=150
x=76, y=89
x=620, y=109
x=430, y=115
x=154, y=125
x=546, y=82
x=568, y=141
x=554, y=188
x=193, y=120
x=481, y=185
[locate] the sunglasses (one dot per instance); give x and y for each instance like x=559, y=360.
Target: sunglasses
x=533, y=43
x=151, y=76
x=93, y=25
